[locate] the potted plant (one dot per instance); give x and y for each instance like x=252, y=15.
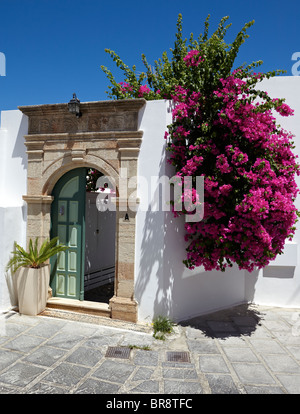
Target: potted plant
x=31, y=274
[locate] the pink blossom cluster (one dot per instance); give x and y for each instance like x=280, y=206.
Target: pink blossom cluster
x=249, y=174
x=143, y=89
x=193, y=58
x=284, y=109
x=125, y=87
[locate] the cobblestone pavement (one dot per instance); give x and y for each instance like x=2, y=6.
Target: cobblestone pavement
x=243, y=350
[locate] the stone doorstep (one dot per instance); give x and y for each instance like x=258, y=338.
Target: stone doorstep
x=90, y=312
x=81, y=306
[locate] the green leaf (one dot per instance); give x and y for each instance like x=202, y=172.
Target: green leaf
x=34, y=257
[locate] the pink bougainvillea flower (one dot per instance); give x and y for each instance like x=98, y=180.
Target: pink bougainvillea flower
x=193, y=58
x=143, y=89
x=125, y=87
x=284, y=110
x=249, y=175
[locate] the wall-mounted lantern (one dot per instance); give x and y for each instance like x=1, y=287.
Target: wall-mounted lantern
x=74, y=106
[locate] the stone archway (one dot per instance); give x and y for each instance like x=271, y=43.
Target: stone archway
x=105, y=137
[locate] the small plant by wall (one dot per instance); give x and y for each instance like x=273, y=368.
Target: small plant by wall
x=223, y=129
x=162, y=326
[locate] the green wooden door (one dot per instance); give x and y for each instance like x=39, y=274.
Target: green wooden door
x=68, y=223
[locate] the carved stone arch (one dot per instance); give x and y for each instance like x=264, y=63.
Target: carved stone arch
x=105, y=137
x=58, y=168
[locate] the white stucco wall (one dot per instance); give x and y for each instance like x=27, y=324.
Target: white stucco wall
x=163, y=284
x=279, y=283
x=13, y=176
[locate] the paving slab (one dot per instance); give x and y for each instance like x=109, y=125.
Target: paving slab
x=222, y=384
x=150, y=386
x=179, y=373
x=242, y=350
x=93, y=386
x=146, y=358
x=249, y=373
x=203, y=346
x=85, y=356
x=282, y=363
x=182, y=387
x=291, y=383
x=20, y=374
x=252, y=389
x=142, y=374
x=114, y=371
x=236, y=354
x=265, y=346
x=45, y=356
x=213, y=364
x=66, y=374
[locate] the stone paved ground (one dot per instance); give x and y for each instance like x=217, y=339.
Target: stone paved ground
x=243, y=350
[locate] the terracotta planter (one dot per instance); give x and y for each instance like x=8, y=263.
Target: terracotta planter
x=31, y=287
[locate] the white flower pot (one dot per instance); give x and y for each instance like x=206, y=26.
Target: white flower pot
x=11, y=289
x=31, y=286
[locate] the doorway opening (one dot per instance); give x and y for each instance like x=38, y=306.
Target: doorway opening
x=82, y=217
x=100, y=231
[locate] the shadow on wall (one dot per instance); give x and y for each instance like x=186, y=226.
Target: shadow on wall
x=19, y=150
x=176, y=295
x=279, y=272
x=172, y=288
x=157, y=270
x=160, y=282
x=250, y=282
x=166, y=287
x=152, y=261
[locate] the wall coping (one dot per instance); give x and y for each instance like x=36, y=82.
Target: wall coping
x=98, y=116
x=93, y=106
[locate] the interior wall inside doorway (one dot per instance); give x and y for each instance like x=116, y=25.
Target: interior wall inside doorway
x=100, y=230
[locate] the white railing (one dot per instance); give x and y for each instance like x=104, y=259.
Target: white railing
x=99, y=278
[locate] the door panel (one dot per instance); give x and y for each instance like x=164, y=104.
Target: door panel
x=68, y=223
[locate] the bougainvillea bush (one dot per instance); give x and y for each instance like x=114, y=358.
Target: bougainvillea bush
x=223, y=129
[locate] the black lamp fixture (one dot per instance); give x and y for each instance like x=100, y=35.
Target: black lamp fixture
x=74, y=106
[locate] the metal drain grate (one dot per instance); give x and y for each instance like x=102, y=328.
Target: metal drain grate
x=118, y=352
x=178, y=357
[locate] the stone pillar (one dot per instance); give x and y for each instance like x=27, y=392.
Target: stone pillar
x=123, y=302
x=38, y=217
x=38, y=205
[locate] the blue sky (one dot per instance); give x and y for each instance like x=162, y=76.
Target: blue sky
x=56, y=47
